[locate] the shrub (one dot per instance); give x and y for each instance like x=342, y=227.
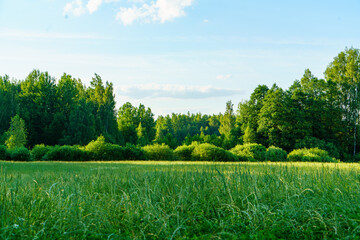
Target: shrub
x=184, y=152
x=3, y=152
x=65, y=153
x=310, y=155
x=131, y=152
x=101, y=150
x=275, y=154
x=209, y=152
x=113, y=152
x=249, y=152
x=159, y=152
x=20, y=154
x=97, y=149
x=39, y=151
x=313, y=142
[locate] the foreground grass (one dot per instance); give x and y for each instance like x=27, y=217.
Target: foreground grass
x=167, y=200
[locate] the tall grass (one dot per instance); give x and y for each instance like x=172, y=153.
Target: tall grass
x=167, y=200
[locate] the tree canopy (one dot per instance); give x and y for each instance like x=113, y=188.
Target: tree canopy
x=311, y=112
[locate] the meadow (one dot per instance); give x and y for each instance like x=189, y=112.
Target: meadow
x=179, y=200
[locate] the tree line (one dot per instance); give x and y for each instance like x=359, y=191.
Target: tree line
x=312, y=112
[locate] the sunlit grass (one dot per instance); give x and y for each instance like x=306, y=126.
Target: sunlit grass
x=178, y=200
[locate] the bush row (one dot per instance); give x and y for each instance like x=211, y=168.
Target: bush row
x=204, y=152
x=95, y=150
x=310, y=155
x=18, y=154
x=100, y=150
x=257, y=152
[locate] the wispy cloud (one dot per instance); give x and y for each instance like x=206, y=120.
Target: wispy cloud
x=141, y=10
x=19, y=34
x=175, y=91
x=223, y=77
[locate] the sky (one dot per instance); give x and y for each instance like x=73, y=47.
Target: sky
x=176, y=55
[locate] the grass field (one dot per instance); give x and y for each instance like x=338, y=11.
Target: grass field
x=167, y=200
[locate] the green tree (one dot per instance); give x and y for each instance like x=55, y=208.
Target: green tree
x=81, y=127
x=38, y=101
x=127, y=122
x=316, y=99
x=9, y=91
x=103, y=100
x=130, y=117
x=214, y=124
x=165, y=132
x=16, y=135
x=248, y=112
x=271, y=117
x=227, y=129
x=227, y=121
x=249, y=135
x=140, y=132
x=345, y=71
x=146, y=118
x=68, y=94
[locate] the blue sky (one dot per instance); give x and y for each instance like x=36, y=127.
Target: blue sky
x=176, y=55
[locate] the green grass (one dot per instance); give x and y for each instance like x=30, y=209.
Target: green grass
x=173, y=200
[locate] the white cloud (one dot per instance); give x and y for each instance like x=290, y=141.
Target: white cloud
x=170, y=9
x=142, y=10
x=75, y=7
x=161, y=10
x=93, y=5
x=223, y=77
x=175, y=91
x=128, y=15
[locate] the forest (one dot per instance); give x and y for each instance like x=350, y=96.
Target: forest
x=311, y=113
